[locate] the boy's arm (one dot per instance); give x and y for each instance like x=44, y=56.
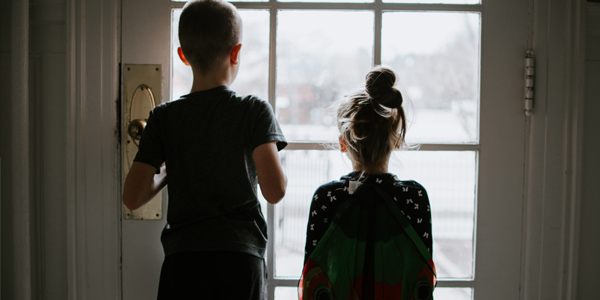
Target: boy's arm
x=142, y=184
x=271, y=178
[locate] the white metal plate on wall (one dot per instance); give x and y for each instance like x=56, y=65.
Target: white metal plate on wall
x=141, y=92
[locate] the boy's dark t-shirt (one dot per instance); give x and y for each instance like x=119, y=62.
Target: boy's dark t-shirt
x=206, y=140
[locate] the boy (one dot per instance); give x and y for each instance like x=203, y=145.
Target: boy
x=213, y=144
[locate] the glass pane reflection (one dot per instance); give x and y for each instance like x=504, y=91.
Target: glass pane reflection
x=316, y=61
x=448, y=176
x=436, y=57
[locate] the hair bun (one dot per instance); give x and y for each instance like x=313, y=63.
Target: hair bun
x=380, y=87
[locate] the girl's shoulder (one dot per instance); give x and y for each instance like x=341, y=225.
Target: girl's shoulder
x=408, y=184
x=409, y=190
x=389, y=182
x=333, y=186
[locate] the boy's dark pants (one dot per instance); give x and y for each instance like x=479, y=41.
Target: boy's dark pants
x=212, y=275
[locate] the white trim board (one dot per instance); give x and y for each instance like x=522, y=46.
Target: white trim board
x=93, y=190
x=20, y=167
x=553, y=154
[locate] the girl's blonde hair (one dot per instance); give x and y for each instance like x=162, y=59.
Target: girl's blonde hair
x=372, y=121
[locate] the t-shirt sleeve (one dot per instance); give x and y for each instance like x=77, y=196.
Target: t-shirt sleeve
x=151, y=150
x=266, y=127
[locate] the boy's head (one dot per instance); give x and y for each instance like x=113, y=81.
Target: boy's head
x=208, y=30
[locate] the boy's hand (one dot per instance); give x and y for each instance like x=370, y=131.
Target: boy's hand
x=142, y=184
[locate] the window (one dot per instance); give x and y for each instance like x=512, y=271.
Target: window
x=303, y=55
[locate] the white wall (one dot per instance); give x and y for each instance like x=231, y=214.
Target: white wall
x=48, y=50
x=47, y=108
x=589, y=263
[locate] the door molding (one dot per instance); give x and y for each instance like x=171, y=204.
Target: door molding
x=93, y=189
x=554, y=153
x=19, y=161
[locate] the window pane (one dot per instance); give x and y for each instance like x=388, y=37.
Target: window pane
x=286, y=293
x=253, y=76
x=450, y=180
x=254, y=61
x=181, y=74
x=306, y=170
x=435, y=1
x=291, y=293
x=329, y=1
x=316, y=61
x=436, y=57
x=453, y=293
x=229, y=1
x=448, y=176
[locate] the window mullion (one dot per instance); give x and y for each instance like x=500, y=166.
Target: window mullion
x=377, y=34
x=330, y=145
x=272, y=54
x=271, y=284
x=272, y=101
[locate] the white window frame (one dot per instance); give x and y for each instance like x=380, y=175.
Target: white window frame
x=378, y=7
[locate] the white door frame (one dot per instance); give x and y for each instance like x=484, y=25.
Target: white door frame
x=93, y=191
x=19, y=150
x=554, y=158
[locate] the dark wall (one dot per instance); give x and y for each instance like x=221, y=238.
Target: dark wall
x=589, y=237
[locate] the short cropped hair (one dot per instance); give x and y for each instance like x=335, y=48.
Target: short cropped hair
x=208, y=30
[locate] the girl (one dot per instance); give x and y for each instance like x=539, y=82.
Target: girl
x=372, y=124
